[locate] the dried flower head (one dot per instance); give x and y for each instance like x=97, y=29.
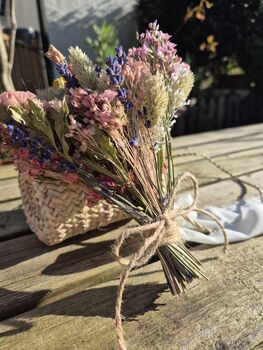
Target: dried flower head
x=181, y=83
x=86, y=72
x=15, y=98
x=83, y=68
x=55, y=55
x=156, y=98
x=59, y=83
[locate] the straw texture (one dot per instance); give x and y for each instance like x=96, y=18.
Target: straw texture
x=56, y=210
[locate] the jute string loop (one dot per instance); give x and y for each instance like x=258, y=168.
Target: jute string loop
x=163, y=231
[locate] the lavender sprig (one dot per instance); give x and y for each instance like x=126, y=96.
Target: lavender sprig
x=115, y=66
x=65, y=72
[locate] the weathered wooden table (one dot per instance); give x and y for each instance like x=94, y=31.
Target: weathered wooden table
x=63, y=297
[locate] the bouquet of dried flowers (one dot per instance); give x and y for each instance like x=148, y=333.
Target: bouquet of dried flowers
x=109, y=129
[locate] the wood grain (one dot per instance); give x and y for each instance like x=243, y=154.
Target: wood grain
x=224, y=313
x=9, y=190
x=7, y=171
x=208, y=138
x=27, y=266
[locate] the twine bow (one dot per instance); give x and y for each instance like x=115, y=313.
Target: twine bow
x=163, y=231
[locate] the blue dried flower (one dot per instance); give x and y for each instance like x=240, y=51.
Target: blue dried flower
x=134, y=142
x=68, y=166
x=128, y=105
x=98, y=69
x=22, y=139
x=115, y=65
x=64, y=71
x=122, y=94
x=114, y=80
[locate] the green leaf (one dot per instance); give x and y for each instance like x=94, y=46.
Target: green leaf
x=106, y=145
x=40, y=122
x=61, y=129
x=20, y=116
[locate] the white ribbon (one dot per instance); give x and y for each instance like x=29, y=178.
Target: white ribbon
x=242, y=220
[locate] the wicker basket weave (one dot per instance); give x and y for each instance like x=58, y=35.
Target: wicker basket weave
x=56, y=210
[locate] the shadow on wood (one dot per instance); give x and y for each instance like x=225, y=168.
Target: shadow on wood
x=31, y=247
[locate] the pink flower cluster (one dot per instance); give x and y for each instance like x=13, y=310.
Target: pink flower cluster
x=15, y=98
x=140, y=52
x=136, y=74
x=157, y=48
x=134, y=71
x=21, y=98
x=102, y=108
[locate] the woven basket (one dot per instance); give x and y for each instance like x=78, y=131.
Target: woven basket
x=56, y=210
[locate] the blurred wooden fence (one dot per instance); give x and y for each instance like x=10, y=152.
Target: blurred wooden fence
x=29, y=70
x=222, y=110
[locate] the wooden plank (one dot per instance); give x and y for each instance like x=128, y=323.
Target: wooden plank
x=217, y=150
x=12, y=224
x=7, y=171
x=218, y=135
x=27, y=266
x=9, y=190
x=238, y=164
x=11, y=205
x=224, y=313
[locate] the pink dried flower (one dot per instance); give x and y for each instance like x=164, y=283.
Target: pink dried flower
x=139, y=52
x=134, y=71
x=15, y=98
x=103, y=108
x=108, y=95
x=77, y=96
x=157, y=49
x=55, y=55
x=54, y=104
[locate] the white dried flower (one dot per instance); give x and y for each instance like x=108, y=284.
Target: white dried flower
x=181, y=84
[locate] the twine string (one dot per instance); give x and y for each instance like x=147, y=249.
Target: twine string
x=156, y=234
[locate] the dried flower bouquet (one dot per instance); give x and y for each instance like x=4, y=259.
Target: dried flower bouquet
x=110, y=130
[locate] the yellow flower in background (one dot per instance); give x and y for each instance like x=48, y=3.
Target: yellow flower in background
x=59, y=83
x=210, y=44
x=198, y=11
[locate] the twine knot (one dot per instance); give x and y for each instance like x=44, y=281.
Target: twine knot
x=165, y=230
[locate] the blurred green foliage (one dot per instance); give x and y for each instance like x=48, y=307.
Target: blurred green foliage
x=217, y=37
x=105, y=41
